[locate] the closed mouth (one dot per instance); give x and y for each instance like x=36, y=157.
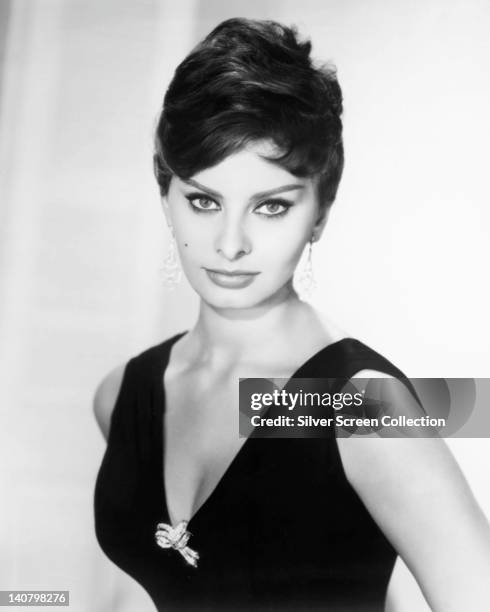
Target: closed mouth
x=232, y=272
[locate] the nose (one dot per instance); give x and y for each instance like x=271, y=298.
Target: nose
x=232, y=241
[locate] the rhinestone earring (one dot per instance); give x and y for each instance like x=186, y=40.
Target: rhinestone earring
x=172, y=273
x=306, y=280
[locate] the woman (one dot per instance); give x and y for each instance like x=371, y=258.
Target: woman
x=248, y=159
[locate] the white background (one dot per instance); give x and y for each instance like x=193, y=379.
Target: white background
x=403, y=264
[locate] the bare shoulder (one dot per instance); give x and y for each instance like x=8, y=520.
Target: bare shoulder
x=373, y=464
x=105, y=398
x=414, y=489
x=369, y=461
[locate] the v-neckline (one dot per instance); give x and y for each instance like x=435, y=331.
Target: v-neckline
x=161, y=409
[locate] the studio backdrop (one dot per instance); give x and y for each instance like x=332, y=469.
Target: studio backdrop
x=403, y=263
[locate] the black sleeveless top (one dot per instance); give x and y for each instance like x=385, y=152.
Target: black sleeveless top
x=282, y=530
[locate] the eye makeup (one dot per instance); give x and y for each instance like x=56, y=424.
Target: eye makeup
x=275, y=202
x=192, y=197
x=286, y=205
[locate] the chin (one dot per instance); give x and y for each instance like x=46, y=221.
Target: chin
x=240, y=299
x=221, y=298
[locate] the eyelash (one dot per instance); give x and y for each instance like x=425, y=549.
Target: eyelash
x=196, y=196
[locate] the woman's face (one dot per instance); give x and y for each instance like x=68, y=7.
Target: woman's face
x=241, y=226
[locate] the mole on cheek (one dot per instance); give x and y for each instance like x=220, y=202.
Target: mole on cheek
x=185, y=244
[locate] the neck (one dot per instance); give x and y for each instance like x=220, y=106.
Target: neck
x=221, y=335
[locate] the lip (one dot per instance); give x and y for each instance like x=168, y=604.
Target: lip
x=231, y=272
x=231, y=279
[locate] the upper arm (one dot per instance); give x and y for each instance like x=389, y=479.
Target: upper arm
x=105, y=398
x=416, y=492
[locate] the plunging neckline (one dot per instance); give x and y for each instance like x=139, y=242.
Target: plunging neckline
x=161, y=410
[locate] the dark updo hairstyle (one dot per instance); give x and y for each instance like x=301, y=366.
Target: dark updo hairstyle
x=249, y=81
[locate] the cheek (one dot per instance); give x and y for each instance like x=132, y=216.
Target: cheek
x=190, y=250
x=284, y=249
x=191, y=240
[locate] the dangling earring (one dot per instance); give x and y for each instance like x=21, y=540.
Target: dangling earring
x=172, y=273
x=306, y=280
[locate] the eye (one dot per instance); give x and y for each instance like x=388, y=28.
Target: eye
x=273, y=208
x=202, y=203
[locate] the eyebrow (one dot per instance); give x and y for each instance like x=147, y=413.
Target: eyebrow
x=257, y=196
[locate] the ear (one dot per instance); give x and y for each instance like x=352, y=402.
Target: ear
x=320, y=223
